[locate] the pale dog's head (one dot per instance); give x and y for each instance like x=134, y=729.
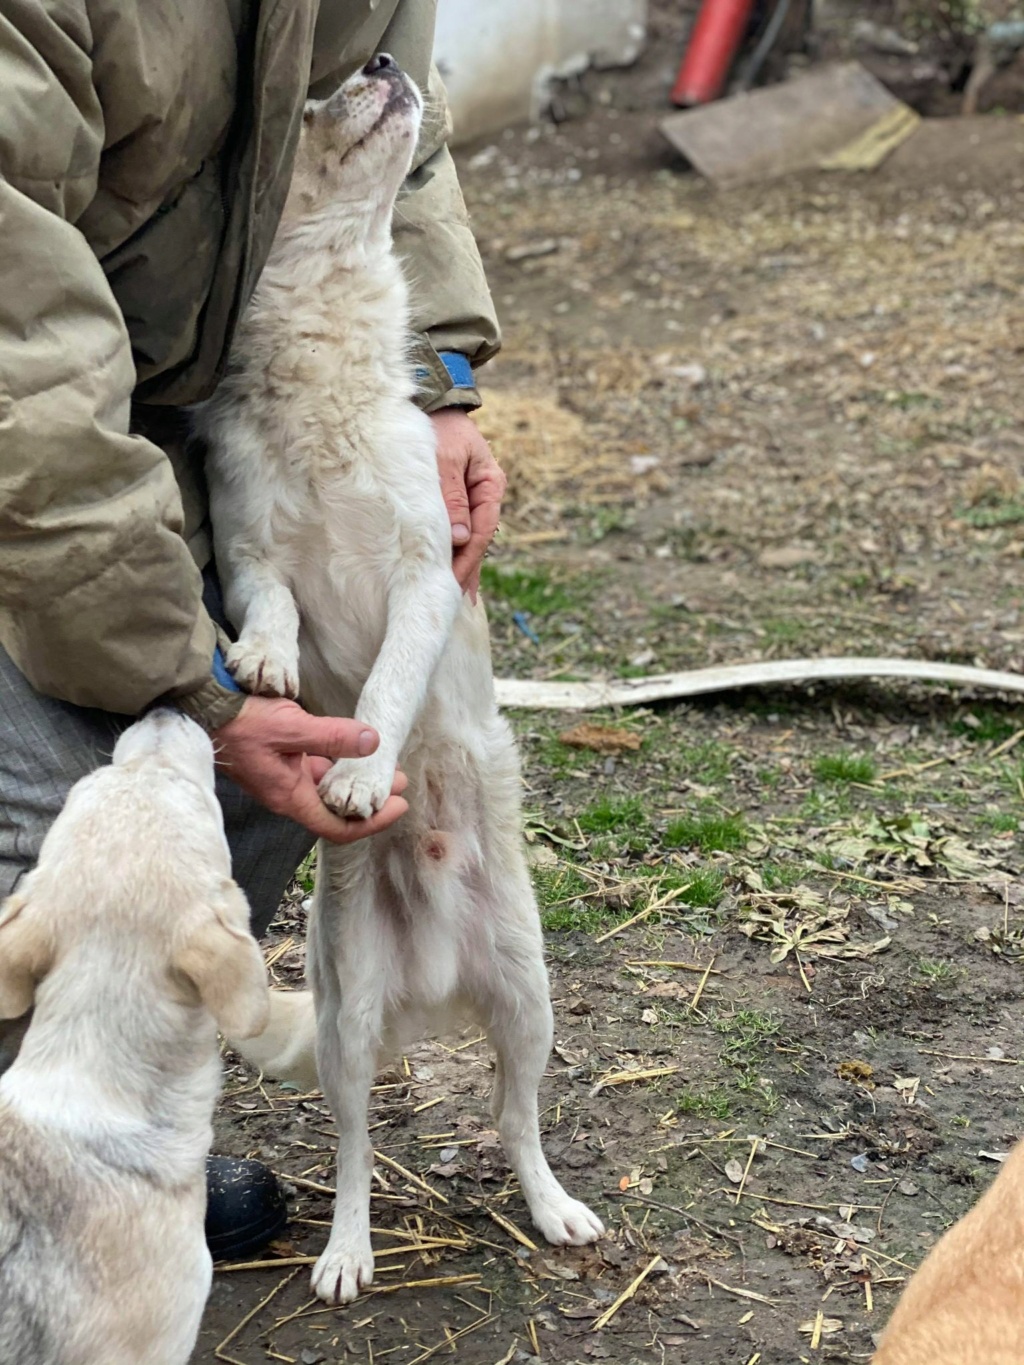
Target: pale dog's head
x=355, y=149
x=136, y=869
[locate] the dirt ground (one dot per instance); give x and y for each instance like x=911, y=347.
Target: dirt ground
x=775, y=423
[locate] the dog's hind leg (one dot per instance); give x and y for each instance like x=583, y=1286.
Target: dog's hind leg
x=347, y=1054
x=516, y=1011
x=349, y=1023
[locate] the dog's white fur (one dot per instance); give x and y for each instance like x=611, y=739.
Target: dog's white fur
x=131, y=939
x=334, y=548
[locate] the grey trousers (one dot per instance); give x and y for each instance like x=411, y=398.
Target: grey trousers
x=47, y=745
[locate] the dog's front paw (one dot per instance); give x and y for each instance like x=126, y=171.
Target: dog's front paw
x=262, y=668
x=343, y=1272
x=567, y=1222
x=356, y=788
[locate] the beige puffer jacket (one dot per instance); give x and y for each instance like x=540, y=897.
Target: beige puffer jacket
x=145, y=152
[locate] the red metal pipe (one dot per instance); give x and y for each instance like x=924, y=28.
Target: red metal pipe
x=714, y=42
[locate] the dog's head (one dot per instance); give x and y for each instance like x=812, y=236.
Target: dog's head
x=136, y=870
x=355, y=149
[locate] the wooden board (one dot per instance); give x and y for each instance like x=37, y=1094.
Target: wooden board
x=791, y=127
x=526, y=694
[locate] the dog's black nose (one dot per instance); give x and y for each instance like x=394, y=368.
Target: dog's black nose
x=381, y=61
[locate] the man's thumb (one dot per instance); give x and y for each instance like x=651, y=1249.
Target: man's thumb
x=335, y=737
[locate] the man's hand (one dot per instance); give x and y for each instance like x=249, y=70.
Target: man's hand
x=278, y=753
x=473, y=485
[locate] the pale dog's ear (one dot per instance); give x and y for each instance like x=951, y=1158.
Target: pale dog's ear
x=223, y=961
x=26, y=955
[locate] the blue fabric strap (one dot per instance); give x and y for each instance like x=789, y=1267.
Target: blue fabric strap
x=220, y=672
x=460, y=371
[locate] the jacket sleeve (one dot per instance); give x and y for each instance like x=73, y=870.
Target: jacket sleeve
x=452, y=306
x=100, y=600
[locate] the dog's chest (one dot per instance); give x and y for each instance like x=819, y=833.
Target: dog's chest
x=363, y=503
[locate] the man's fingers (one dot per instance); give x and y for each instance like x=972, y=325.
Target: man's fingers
x=324, y=736
x=318, y=768
x=467, y=561
x=472, y=584
x=456, y=500
x=304, y=805
x=393, y=809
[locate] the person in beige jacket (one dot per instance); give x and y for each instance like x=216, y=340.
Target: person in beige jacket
x=145, y=153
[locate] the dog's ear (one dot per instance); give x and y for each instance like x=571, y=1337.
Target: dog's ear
x=26, y=955
x=223, y=961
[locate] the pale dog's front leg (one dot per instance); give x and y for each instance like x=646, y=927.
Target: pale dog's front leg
x=265, y=658
x=421, y=611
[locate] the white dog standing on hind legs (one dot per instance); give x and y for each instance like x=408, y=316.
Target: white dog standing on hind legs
x=334, y=549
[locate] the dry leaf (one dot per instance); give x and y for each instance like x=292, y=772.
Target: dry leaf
x=603, y=739
x=787, y=556
x=828, y=1326
x=561, y=1272
x=669, y=990
x=907, y=1086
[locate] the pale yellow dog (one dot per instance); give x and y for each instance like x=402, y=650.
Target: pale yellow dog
x=132, y=942
x=965, y=1304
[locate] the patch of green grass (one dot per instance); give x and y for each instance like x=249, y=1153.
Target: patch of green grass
x=306, y=875
x=783, y=630
x=557, y=757
x=908, y=398
x=605, y=815
x=748, y=1032
x=989, y=514
x=1000, y=822
x=844, y=768
x=769, y=778
x=760, y=1089
x=585, y=916
x=701, y=888
x=625, y=822
x=781, y=876
x=605, y=521
x=709, y=833
x=826, y=805
x=704, y=1104
x=859, y=583
x=558, y=891
x=529, y=590
x=706, y=889
x=938, y=973
x=708, y=763
x=987, y=724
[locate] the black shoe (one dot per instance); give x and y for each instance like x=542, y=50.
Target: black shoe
x=245, y=1207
